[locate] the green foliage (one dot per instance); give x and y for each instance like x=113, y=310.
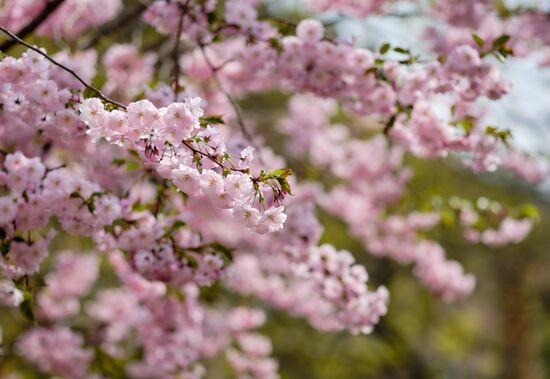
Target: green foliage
x=503, y=135
x=478, y=40
x=211, y=120
x=27, y=307
x=385, y=48
x=498, y=49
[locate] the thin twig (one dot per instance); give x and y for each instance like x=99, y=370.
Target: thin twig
x=212, y=158
x=74, y=74
x=35, y=23
x=176, y=53
x=229, y=97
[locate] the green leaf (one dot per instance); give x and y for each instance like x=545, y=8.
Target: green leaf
x=284, y=185
x=88, y=93
x=466, y=124
x=119, y=162
x=108, y=365
x=401, y=50
x=282, y=173
x=501, y=9
x=220, y=247
x=27, y=307
x=478, y=40
x=448, y=217
x=5, y=248
x=227, y=252
x=385, y=48
x=40, y=282
x=501, y=41
x=178, y=224
x=372, y=70
x=389, y=124
x=276, y=44
x=530, y=211
x=134, y=154
x=191, y=261
x=505, y=51
x=211, y=120
x=175, y=226
x=503, y=135
x=211, y=17
x=133, y=166
x=139, y=207
x=176, y=292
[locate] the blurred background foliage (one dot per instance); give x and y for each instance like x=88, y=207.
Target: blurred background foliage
x=501, y=331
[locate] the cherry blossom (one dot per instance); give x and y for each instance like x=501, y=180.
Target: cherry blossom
x=123, y=205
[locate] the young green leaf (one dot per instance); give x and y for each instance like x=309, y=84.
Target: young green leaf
x=385, y=48
x=478, y=40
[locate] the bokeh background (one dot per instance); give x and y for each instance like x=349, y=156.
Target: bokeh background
x=501, y=331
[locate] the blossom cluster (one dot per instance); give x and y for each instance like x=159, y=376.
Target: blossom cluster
x=523, y=28
x=70, y=20
x=405, y=99
x=72, y=279
x=356, y=8
x=177, y=191
x=37, y=194
x=128, y=71
x=172, y=141
x=373, y=187
x=165, y=15
x=173, y=334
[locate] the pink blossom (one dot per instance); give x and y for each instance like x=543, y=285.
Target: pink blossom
x=56, y=351
x=271, y=220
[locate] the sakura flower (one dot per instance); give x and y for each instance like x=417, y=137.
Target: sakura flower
x=187, y=180
x=238, y=186
x=10, y=295
x=271, y=220
x=211, y=183
x=246, y=215
x=180, y=119
x=310, y=30
x=8, y=210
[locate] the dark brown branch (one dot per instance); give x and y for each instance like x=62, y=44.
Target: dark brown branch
x=212, y=158
x=51, y=6
x=74, y=74
x=122, y=19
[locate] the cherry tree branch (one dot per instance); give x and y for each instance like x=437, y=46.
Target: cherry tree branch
x=122, y=106
x=100, y=94
x=51, y=6
x=212, y=158
x=63, y=67
x=176, y=53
